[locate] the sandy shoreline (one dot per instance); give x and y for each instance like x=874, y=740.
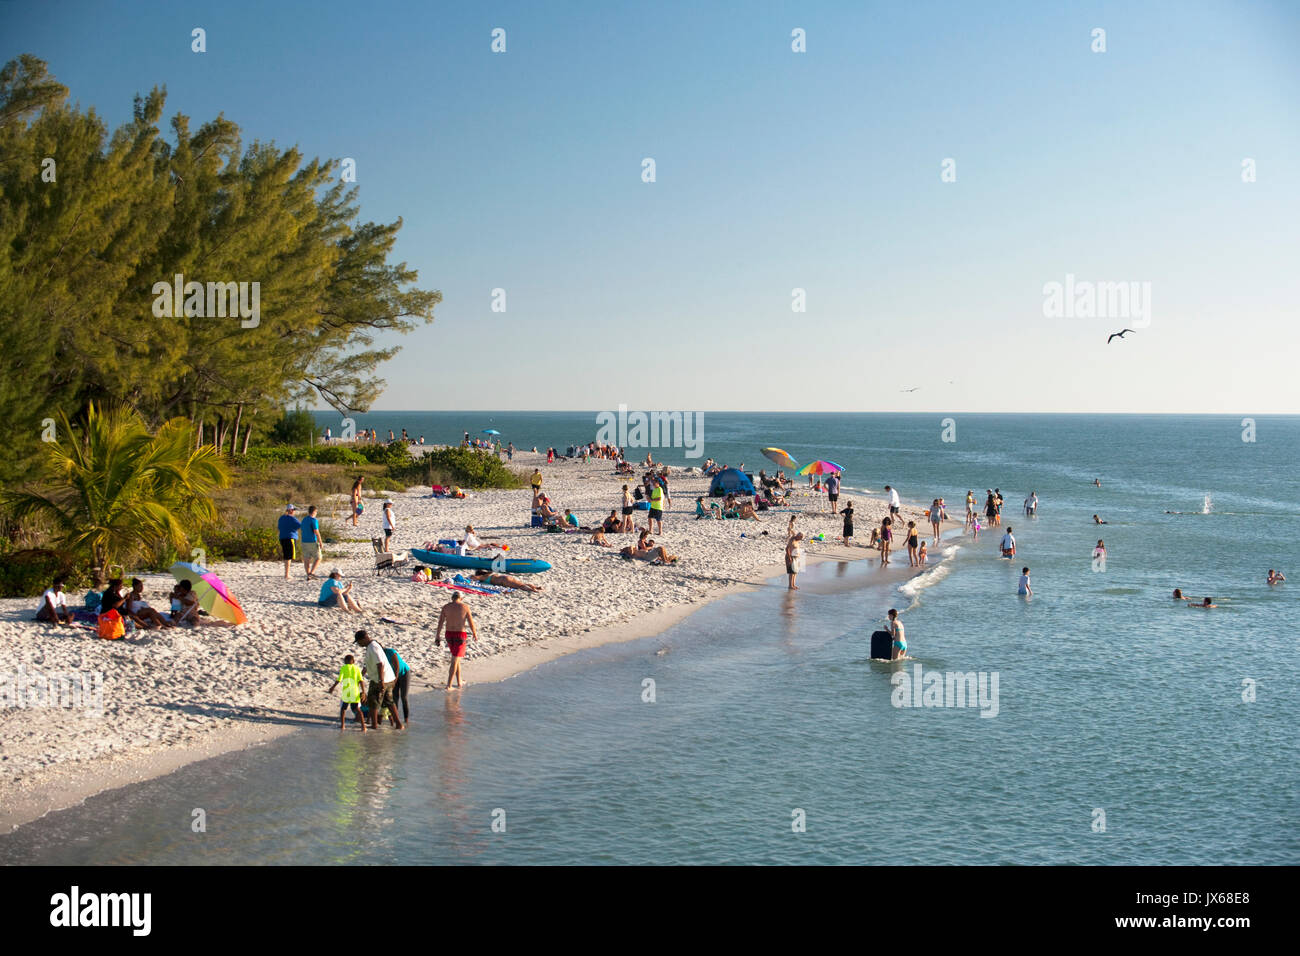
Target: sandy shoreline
x=178, y=696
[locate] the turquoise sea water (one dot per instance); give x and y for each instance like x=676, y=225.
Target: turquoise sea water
x=1112, y=698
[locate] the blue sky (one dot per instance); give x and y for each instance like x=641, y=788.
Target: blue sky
x=776, y=170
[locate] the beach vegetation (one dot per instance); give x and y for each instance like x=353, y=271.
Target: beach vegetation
x=108, y=490
x=95, y=221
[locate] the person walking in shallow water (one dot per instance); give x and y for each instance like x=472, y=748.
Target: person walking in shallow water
x=793, y=556
x=899, y=648
x=455, y=617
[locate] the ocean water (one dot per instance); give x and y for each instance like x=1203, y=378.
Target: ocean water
x=1126, y=728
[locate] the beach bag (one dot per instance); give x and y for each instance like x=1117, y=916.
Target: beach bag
x=110, y=626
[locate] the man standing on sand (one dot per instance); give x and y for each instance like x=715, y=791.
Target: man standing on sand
x=833, y=492
x=382, y=681
x=454, y=617
x=656, y=496
x=894, y=504
x=287, y=527
x=536, y=481
x=310, y=528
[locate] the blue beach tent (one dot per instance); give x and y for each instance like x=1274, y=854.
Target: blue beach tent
x=730, y=481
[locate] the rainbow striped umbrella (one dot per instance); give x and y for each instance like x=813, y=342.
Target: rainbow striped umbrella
x=820, y=467
x=211, y=591
x=781, y=457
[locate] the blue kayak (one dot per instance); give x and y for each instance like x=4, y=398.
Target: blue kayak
x=513, y=565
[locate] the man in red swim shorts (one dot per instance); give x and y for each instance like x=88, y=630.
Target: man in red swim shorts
x=454, y=617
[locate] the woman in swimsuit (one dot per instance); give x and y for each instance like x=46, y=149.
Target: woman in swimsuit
x=886, y=537
x=356, y=499
x=913, y=541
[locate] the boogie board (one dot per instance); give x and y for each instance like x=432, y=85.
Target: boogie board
x=512, y=565
x=882, y=645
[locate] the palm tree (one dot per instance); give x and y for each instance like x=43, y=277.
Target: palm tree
x=114, y=488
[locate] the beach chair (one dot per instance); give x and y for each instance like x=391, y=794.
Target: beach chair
x=386, y=561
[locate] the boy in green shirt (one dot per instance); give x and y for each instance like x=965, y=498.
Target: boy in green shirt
x=350, y=691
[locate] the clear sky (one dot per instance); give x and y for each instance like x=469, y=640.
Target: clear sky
x=777, y=170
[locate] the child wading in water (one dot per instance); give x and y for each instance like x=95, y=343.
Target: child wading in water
x=349, y=684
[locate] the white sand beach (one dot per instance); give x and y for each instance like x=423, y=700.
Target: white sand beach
x=173, y=696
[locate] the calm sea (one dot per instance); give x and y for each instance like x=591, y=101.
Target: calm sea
x=1125, y=728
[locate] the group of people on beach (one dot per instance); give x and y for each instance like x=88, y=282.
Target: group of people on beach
x=113, y=613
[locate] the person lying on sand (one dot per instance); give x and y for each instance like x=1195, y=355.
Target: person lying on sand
x=505, y=581
x=651, y=552
x=473, y=543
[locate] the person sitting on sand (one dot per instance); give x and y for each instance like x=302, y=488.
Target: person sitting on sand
x=54, y=604
x=1204, y=605
x=746, y=510
x=334, y=594
x=549, y=514
x=472, y=542
x=613, y=523
x=113, y=598
x=701, y=512
x=138, y=609
x=570, y=519
x=1275, y=577
x=505, y=581
x=184, y=603
x=598, y=538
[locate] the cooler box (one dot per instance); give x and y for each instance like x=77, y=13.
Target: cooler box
x=882, y=645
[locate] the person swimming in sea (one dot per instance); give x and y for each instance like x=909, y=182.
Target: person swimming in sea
x=1206, y=604
x=1275, y=577
x=1096, y=520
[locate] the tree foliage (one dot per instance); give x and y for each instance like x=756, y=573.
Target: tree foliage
x=87, y=237
x=111, y=490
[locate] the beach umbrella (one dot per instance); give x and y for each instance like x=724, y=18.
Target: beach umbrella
x=490, y=431
x=781, y=458
x=820, y=468
x=211, y=591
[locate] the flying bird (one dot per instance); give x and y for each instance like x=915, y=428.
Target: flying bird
x=1117, y=335
x=912, y=389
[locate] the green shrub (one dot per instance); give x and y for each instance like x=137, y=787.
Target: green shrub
x=296, y=427
x=469, y=467
x=247, y=543
x=28, y=572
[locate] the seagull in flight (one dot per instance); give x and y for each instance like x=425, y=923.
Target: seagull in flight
x=912, y=389
x=1117, y=335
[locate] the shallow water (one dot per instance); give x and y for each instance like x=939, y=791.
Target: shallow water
x=1112, y=698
